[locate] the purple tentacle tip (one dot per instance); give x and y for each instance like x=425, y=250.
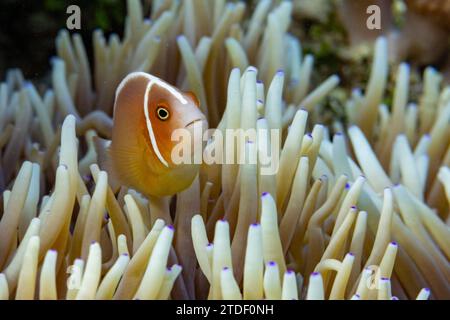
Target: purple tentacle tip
x=225, y=268
x=315, y=274
x=170, y=227
x=272, y=263
x=265, y=193
x=394, y=243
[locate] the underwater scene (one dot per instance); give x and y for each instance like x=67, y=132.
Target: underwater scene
x=225, y=150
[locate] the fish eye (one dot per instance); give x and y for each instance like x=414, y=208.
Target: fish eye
x=162, y=113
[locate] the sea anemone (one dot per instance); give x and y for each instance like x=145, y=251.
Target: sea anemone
x=358, y=208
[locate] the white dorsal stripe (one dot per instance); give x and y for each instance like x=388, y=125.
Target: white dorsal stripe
x=153, y=79
x=150, y=128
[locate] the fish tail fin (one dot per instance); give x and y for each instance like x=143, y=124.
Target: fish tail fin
x=103, y=150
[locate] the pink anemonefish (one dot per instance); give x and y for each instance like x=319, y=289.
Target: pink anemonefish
x=146, y=112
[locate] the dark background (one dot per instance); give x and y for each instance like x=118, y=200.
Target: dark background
x=28, y=29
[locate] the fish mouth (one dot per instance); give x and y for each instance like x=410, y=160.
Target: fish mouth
x=194, y=121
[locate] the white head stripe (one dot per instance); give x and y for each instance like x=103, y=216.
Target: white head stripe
x=169, y=88
x=150, y=128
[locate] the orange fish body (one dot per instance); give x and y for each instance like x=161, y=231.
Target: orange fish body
x=146, y=112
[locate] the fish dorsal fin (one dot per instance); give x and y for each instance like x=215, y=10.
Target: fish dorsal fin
x=103, y=150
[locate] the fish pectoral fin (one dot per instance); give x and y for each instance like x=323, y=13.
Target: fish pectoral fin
x=102, y=148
